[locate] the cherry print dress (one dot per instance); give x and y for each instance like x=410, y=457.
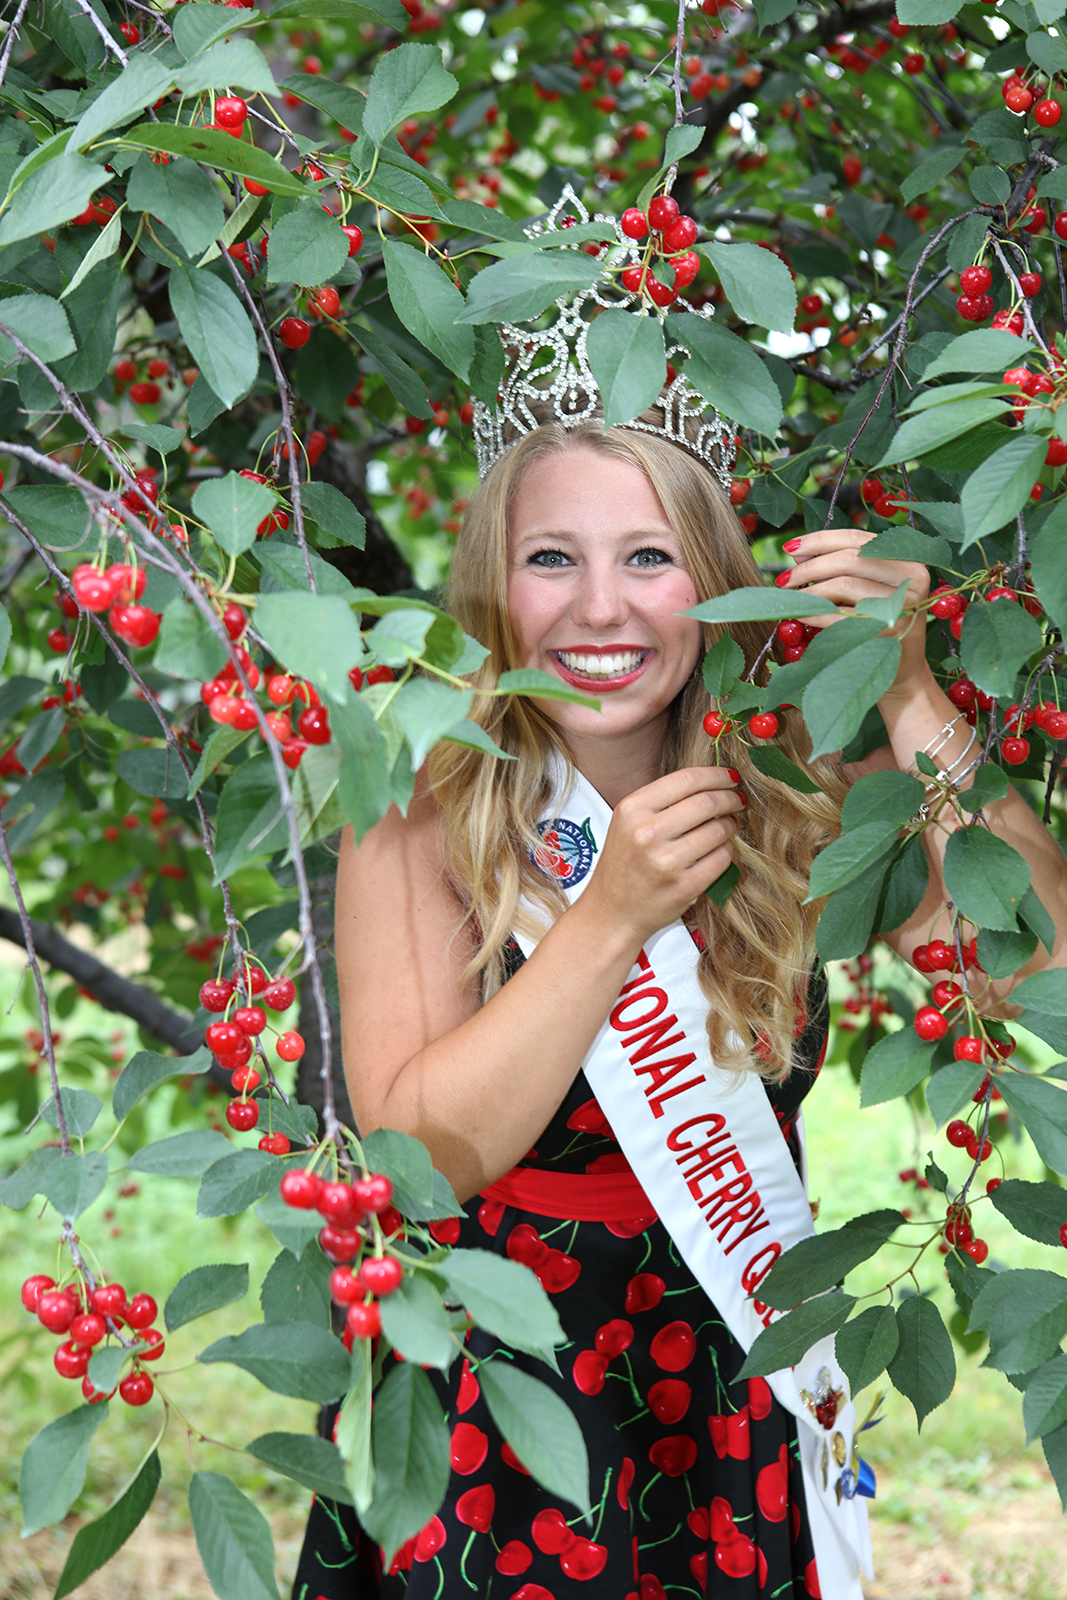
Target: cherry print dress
x=695, y=1478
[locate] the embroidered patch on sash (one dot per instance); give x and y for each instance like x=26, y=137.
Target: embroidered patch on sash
x=567, y=849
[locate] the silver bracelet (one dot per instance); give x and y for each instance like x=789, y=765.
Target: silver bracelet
x=945, y=775
x=942, y=737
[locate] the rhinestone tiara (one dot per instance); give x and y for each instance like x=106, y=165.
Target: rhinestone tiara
x=548, y=368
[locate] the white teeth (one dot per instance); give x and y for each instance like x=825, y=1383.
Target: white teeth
x=601, y=666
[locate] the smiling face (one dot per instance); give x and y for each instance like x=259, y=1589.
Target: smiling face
x=595, y=579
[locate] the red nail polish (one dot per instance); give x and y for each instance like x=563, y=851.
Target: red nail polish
x=782, y=579
x=790, y=546
x=735, y=777
x=742, y=797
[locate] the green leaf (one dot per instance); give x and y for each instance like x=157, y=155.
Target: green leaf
x=521, y=287
x=1040, y=1108
x=75, y=1182
x=888, y=797
x=343, y=104
x=96, y=1542
x=42, y=793
x=428, y=304
x=1047, y=566
x=817, y=1263
x=1045, y=991
x=724, y=885
x=50, y=196
x=723, y=665
x=542, y=686
x=316, y=636
x=198, y=25
x=628, y=361
x=353, y=1429
x=426, y=710
x=990, y=185
x=53, y=1467
x=297, y=1288
x=918, y=436
x=145, y=1070
x=139, y=84
x=232, y=1184
x=54, y=514
x=80, y=1110
x=472, y=737
x=417, y=1325
x=540, y=1428
x=951, y=1087
x=183, y=1155
x=306, y=247
x=760, y=605
x=405, y=1162
x=406, y=82
x=867, y=1344
x=233, y=507
x=1024, y=1312
x=334, y=513
x=849, y=855
x=838, y=698
x=233, y=1538
x=285, y=563
x=364, y=789
x=784, y=1342
x=983, y=350
x=924, y=1366
x=217, y=330
x=215, y=149
x=202, y=1290
x=934, y=170
x=188, y=646
x=387, y=11
x=1034, y=916
x=293, y=1229
x=294, y=1358
x=985, y=877
x=314, y=1462
x=19, y=1188
x=182, y=196
x=1045, y=1400
x=160, y=438
x=250, y=819
x=758, y=285
x=404, y=384
x=999, y=488
x=505, y=1299
x=1002, y=954
x=774, y=764
x=41, y=736
x=848, y=917
x=152, y=773
x=1038, y=1210
x=728, y=373
x=235, y=63
x=1049, y=53
x=40, y=323
x=411, y=1456
x=989, y=784
x=894, y=1066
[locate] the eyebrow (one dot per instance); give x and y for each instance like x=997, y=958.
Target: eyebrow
x=663, y=531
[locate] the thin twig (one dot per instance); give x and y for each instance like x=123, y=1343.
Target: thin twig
x=110, y=42
x=1028, y=316
x=38, y=978
x=883, y=338
x=12, y=37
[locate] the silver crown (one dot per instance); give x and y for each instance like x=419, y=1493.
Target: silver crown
x=548, y=367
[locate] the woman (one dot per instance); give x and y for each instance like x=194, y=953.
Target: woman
x=473, y=991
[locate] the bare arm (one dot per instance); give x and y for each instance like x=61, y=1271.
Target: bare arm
x=478, y=1084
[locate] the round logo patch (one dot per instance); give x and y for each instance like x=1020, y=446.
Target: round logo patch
x=567, y=849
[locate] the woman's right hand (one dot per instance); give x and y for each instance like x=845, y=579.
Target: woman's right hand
x=666, y=844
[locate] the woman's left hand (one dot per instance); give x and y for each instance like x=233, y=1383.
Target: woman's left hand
x=830, y=563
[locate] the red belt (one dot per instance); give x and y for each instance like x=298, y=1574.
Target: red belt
x=573, y=1196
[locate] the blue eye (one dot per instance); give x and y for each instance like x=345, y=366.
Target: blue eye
x=553, y=560
x=651, y=557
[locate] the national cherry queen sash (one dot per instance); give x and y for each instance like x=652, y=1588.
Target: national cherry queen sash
x=707, y=1150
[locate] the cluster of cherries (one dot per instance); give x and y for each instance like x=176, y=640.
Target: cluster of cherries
x=117, y=590
x=233, y=1041
x=146, y=391
x=88, y=1316
x=347, y=1208
x=1020, y=96
x=670, y=237
x=764, y=725
x=864, y=996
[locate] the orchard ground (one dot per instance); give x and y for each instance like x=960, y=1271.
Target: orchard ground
x=962, y=1513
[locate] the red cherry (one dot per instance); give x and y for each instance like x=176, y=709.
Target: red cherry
x=275, y=1144
x=590, y=1371
x=250, y=1019
x=584, y=1560
x=975, y=280
x=56, y=1309
x=280, y=994
x=772, y=1488
x=978, y=1250
x=130, y=32
x=337, y=1202
x=1030, y=283
x=135, y=625
x=852, y=168
x=526, y=1246
x=381, y=1275
x=300, y=1188
x=314, y=725
x=721, y=1520
x=1063, y=1235
x=644, y=1292
x=94, y=1395
x=737, y=1556
x=153, y=1337
x=668, y=1400
x=70, y=1362
x=957, y=1133
x=137, y=1388
x=34, y=1287
x=222, y=1037
x=294, y=332
x=660, y=295
x=475, y=1508
x=673, y=1347
x=215, y=994
x=380, y=675
x=685, y=269
x=109, y=1299
x=364, y=1321
x=1018, y=99
x=1015, y=751
x=432, y=1538
x=93, y=589
x=88, y=1329
x=662, y=211
x=614, y=1337
x=242, y=1115
x=340, y=1244
x=1047, y=113
x=325, y=302
x=634, y=223
x=551, y=1534
x=469, y=1447
x=290, y=1046
x=680, y=235
x=764, y=725
x=514, y=1558
x=354, y=236
x=558, y=1271
x=141, y=1311
x=760, y=1398
x=930, y=1024
x=230, y=111
x=674, y=1455
x=145, y=394
x=969, y=1048
x=373, y=1194
x=914, y=62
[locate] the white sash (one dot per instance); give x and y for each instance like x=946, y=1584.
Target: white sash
x=707, y=1150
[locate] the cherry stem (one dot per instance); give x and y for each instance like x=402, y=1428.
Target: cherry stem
x=38, y=978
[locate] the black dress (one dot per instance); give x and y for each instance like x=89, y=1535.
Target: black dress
x=695, y=1478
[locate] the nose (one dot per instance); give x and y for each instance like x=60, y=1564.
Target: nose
x=600, y=601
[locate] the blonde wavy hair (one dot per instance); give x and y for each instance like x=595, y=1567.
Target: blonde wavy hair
x=758, y=948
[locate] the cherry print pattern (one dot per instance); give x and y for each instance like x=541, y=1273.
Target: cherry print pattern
x=695, y=1479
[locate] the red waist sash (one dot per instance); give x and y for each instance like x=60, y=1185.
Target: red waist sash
x=573, y=1196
